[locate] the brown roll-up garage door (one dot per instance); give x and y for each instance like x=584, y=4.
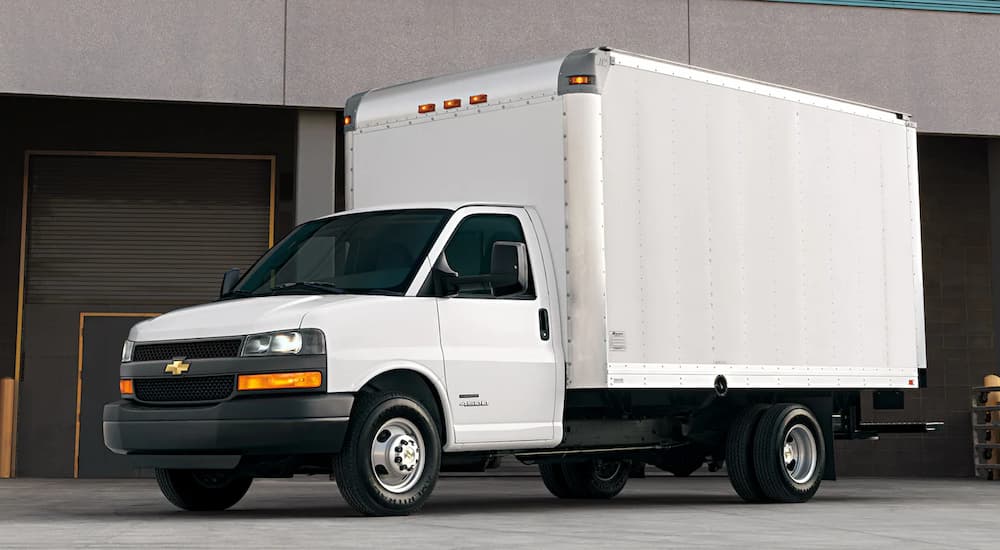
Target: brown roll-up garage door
x=128, y=230
x=118, y=234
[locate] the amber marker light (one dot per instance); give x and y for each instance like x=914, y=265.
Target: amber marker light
x=581, y=79
x=126, y=386
x=280, y=380
x=425, y=108
x=347, y=120
x=452, y=103
x=477, y=99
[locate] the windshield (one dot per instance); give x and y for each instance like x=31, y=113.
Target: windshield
x=365, y=253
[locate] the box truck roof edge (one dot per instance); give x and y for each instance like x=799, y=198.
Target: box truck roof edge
x=518, y=81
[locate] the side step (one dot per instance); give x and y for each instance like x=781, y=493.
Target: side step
x=872, y=430
x=901, y=427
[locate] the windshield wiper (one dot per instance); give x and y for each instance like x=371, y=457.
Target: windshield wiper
x=236, y=294
x=375, y=291
x=318, y=286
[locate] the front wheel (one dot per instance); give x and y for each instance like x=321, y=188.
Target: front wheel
x=202, y=490
x=391, y=456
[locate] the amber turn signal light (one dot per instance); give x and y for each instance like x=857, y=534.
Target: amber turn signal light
x=126, y=386
x=581, y=79
x=347, y=120
x=280, y=380
x=426, y=108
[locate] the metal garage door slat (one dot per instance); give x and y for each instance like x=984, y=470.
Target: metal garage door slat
x=132, y=231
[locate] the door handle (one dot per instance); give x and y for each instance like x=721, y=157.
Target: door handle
x=543, y=323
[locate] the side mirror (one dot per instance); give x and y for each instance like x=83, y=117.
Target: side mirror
x=229, y=280
x=509, y=268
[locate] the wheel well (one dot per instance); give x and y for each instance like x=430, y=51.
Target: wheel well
x=415, y=385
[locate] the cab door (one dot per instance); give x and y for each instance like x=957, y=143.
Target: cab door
x=500, y=364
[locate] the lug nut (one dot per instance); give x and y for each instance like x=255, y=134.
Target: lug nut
x=398, y=449
x=399, y=459
x=405, y=442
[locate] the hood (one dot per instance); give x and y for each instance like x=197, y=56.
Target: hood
x=235, y=317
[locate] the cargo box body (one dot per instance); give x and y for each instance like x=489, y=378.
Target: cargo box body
x=701, y=225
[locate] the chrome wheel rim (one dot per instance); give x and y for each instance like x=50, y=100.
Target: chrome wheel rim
x=799, y=453
x=397, y=455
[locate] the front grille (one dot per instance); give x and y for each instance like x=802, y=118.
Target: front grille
x=184, y=390
x=192, y=349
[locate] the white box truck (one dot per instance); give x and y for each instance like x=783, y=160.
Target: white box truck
x=587, y=263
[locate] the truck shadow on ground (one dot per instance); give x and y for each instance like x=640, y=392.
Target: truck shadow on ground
x=281, y=508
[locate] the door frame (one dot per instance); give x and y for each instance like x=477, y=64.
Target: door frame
x=79, y=374
x=540, y=260
x=22, y=264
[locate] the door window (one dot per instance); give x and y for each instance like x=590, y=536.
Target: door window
x=471, y=246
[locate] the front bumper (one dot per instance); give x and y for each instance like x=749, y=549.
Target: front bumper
x=219, y=435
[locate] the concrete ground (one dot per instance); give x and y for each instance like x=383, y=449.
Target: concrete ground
x=512, y=512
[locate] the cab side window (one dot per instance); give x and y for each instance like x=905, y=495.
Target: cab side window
x=471, y=246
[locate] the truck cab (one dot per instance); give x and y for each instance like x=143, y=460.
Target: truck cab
x=445, y=304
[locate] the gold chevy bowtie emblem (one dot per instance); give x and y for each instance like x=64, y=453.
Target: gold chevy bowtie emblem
x=177, y=367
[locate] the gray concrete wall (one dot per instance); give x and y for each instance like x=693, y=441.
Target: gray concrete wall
x=315, y=164
x=188, y=50
x=338, y=48
x=941, y=67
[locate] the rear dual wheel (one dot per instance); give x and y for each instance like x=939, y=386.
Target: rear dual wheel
x=776, y=453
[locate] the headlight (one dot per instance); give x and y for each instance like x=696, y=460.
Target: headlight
x=286, y=342
x=127, y=351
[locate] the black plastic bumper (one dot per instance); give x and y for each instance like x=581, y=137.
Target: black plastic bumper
x=219, y=435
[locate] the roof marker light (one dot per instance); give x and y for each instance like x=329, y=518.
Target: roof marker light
x=576, y=80
x=426, y=108
x=452, y=103
x=477, y=99
x=347, y=120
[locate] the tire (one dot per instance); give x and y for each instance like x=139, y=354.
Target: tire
x=596, y=479
x=789, y=453
x=202, y=490
x=388, y=432
x=740, y=454
x=555, y=480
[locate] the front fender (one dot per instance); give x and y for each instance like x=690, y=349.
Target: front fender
x=435, y=381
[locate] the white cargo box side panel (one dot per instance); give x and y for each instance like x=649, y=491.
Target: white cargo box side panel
x=507, y=153
x=756, y=237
